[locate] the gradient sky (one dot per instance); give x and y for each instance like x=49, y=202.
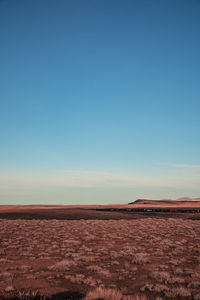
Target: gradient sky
x=99, y=100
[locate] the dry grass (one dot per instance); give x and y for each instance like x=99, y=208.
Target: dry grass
x=110, y=294
x=158, y=257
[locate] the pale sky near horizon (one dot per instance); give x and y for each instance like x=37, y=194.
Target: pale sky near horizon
x=99, y=100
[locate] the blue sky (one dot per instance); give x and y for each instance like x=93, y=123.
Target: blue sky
x=99, y=100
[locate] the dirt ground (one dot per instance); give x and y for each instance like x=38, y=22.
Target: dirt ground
x=72, y=251
x=82, y=213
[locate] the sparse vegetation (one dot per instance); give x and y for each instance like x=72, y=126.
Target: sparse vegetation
x=110, y=294
x=156, y=257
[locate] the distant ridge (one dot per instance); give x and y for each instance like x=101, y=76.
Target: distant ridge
x=165, y=201
x=188, y=199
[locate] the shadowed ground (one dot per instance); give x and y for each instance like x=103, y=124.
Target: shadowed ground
x=78, y=213
x=68, y=295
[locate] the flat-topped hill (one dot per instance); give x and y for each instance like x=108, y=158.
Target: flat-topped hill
x=182, y=202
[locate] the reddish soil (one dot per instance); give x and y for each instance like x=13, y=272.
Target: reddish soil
x=55, y=250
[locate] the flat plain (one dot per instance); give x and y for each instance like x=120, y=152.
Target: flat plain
x=81, y=253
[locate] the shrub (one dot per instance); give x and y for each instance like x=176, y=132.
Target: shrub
x=111, y=294
x=140, y=258
x=178, y=292
x=135, y=297
x=161, y=276
x=154, y=288
x=105, y=294
x=62, y=265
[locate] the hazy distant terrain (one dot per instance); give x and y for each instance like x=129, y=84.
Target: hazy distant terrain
x=99, y=212
x=181, y=202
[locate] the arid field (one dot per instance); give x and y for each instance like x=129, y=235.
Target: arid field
x=104, y=255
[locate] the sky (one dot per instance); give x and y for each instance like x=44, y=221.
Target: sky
x=99, y=100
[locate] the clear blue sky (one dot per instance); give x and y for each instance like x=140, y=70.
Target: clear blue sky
x=100, y=100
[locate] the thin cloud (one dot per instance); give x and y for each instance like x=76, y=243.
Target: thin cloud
x=186, y=166
x=69, y=178
x=75, y=178
x=88, y=179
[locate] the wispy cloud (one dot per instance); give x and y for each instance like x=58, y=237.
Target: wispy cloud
x=74, y=178
x=25, y=181
x=186, y=166
x=68, y=178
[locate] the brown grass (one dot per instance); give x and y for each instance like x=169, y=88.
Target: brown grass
x=156, y=257
x=110, y=294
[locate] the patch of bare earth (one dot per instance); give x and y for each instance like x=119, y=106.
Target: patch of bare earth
x=149, y=258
